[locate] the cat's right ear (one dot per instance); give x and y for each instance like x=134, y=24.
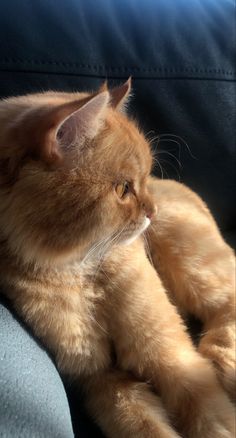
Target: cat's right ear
x=52, y=131
x=119, y=95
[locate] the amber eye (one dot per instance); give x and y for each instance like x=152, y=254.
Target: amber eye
x=122, y=189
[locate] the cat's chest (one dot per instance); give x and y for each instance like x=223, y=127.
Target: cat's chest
x=81, y=322
x=67, y=311
x=80, y=292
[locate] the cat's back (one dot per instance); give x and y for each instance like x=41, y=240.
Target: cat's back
x=170, y=194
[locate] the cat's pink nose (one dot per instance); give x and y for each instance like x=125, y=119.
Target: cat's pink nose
x=151, y=212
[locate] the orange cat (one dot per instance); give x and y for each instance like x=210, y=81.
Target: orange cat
x=75, y=198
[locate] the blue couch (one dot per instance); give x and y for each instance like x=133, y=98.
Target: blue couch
x=180, y=55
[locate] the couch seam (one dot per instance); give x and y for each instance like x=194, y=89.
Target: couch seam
x=107, y=75
x=95, y=67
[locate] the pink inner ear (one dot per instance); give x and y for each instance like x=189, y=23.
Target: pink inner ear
x=67, y=132
x=83, y=123
x=120, y=94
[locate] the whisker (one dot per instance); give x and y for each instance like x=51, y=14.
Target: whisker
x=94, y=248
x=147, y=248
x=159, y=152
x=156, y=161
x=149, y=135
x=96, y=322
x=169, y=140
x=171, y=165
x=154, y=139
x=163, y=170
x=106, y=245
x=111, y=281
x=181, y=139
x=106, y=248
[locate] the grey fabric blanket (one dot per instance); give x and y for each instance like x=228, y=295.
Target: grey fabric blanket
x=33, y=402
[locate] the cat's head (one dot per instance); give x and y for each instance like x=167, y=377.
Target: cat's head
x=73, y=173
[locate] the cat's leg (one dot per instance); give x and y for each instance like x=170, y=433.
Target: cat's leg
x=125, y=408
x=198, y=270
x=151, y=342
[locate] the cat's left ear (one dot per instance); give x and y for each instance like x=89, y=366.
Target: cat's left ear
x=55, y=131
x=119, y=95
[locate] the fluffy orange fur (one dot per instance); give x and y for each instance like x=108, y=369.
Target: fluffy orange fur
x=76, y=197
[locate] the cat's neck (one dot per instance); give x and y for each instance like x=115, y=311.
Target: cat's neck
x=12, y=265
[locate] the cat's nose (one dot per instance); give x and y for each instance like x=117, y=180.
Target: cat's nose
x=151, y=213
x=150, y=210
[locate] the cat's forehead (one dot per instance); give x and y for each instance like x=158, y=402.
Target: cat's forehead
x=128, y=142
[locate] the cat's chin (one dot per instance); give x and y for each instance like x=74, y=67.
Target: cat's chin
x=138, y=232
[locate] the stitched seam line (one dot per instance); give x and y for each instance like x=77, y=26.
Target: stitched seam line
x=108, y=75
x=94, y=67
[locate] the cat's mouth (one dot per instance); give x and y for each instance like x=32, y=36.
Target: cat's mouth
x=138, y=231
x=125, y=236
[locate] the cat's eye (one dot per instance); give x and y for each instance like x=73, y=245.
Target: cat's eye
x=122, y=189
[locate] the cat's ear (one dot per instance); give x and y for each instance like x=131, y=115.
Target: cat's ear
x=103, y=87
x=83, y=123
x=119, y=95
x=54, y=130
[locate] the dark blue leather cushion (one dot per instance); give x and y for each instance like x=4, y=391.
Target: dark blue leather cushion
x=180, y=54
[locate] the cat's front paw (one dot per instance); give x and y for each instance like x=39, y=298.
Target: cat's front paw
x=213, y=418
x=221, y=352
